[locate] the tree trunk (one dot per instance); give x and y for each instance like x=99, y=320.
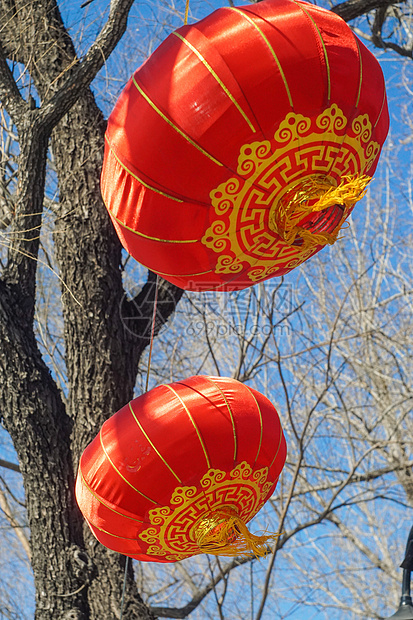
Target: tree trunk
x=72, y=580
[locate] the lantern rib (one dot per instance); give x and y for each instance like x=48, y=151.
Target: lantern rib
x=216, y=77
x=284, y=79
x=110, y=533
x=121, y=514
x=175, y=127
x=261, y=424
x=324, y=49
x=279, y=445
x=381, y=109
x=193, y=424
x=152, y=445
x=141, y=234
x=361, y=74
x=175, y=275
x=154, y=189
x=118, y=472
x=361, y=80
x=189, y=275
x=236, y=275
x=230, y=413
x=158, y=191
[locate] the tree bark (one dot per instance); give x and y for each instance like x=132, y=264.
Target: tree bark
x=76, y=578
x=72, y=579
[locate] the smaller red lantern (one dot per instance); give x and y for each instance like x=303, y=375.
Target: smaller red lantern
x=180, y=471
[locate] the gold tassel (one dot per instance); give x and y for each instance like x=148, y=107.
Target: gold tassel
x=223, y=532
x=314, y=195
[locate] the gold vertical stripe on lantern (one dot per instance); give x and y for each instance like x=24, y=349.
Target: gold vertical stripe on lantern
x=120, y=475
x=105, y=504
x=361, y=72
x=324, y=50
x=175, y=127
x=216, y=77
x=261, y=429
x=152, y=444
x=193, y=424
x=230, y=413
x=274, y=55
x=134, y=176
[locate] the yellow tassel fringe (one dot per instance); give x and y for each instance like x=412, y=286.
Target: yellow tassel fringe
x=223, y=532
x=313, y=195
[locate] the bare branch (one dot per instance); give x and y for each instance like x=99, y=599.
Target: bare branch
x=9, y=465
x=18, y=530
x=84, y=72
x=183, y=612
x=357, y=478
x=355, y=8
x=9, y=93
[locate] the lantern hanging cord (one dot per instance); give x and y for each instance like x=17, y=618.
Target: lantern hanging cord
x=124, y=588
x=155, y=304
x=186, y=12
x=313, y=195
x=223, y=532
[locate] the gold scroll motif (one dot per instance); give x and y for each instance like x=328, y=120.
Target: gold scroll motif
x=303, y=149
x=172, y=534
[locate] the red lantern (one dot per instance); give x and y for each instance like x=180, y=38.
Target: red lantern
x=240, y=147
x=180, y=470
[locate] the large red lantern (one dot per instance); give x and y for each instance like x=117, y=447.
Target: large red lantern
x=240, y=147
x=180, y=471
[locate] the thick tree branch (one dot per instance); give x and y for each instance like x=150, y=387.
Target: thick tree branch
x=377, y=38
x=8, y=465
x=9, y=93
x=75, y=77
x=24, y=234
x=101, y=353
x=83, y=73
x=355, y=8
x=137, y=313
x=44, y=448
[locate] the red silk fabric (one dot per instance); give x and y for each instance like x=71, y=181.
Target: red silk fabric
x=169, y=457
x=225, y=117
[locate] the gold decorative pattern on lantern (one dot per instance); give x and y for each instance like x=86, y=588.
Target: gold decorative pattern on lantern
x=325, y=152
x=174, y=530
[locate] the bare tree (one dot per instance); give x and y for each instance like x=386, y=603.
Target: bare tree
x=332, y=348
x=69, y=361
x=49, y=427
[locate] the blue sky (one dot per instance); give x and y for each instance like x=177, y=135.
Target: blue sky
x=129, y=55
